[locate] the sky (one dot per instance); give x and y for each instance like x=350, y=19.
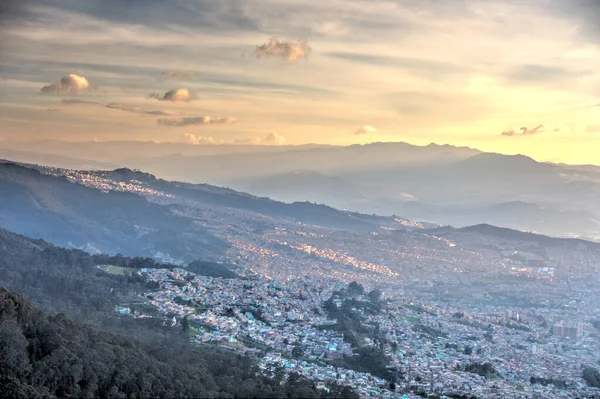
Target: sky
x=499, y=75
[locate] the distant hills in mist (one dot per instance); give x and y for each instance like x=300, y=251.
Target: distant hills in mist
x=437, y=183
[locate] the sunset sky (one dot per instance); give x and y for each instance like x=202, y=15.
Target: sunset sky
x=505, y=76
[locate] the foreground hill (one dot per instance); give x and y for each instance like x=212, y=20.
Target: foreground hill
x=47, y=355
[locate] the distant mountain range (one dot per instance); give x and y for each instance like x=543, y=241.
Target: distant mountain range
x=108, y=215
x=441, y=184
x=137, y=214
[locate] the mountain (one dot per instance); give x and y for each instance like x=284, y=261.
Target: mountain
x=72, y=215
x=512, y=191
x=302, y=185
x=438, y=183
x=138, y=214
x=53, y=160
x=218, y=197
x=221, y=169
x=115, y=152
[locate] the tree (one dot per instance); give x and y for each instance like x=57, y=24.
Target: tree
x=375, y=296
x=297, y=351
x=591, y=376
x=355, y=288
x=468, y=350
x=185, y=324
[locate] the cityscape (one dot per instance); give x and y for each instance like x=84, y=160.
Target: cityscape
x=285, y=199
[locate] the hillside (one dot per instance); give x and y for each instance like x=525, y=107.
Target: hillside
x=208, y=195
x=442, y=184
x=47, y=355
x=72, y=215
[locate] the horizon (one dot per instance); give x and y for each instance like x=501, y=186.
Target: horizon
x=18, y=148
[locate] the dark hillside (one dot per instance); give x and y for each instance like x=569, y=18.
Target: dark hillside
x=47, y=355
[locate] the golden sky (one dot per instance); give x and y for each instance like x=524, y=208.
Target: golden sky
x=505, y=76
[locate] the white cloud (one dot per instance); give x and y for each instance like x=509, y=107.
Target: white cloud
x=365, y=129
x=270, y=139
x=200, y=120
x=197, y=140
x=70, y=84
x=289, y=51
x=181, y=94
x=525, y=131
x=274, y=139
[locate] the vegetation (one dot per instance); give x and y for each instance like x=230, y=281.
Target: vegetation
x=118, y=270
x=591, y=376
x=486, y=370
x=211, y=269
x=547, y=381
x=47, y=355
x=368, y=360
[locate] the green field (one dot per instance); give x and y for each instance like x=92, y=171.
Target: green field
x=117, y=270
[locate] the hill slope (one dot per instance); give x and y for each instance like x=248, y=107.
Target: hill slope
x=47, y=355
x=72, y=215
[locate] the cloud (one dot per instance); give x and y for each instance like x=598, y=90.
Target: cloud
x=289, y=51
x=123, y=107
x=274, y=139
x=139, y=110
x=70, y=84
x=182, y=94
x=540, y=74
x=593, y=129
x=200, y=120
x=197, y=140
x=365, y=129
x=77, y=101
x=177, y=75
x=161, y=113
x=53, y=110
x=270, y=139
x=525, y=131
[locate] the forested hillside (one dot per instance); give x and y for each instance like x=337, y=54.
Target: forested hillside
x=102, y=354
x=48, y=355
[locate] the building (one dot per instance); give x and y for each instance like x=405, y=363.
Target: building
x=565, y=329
